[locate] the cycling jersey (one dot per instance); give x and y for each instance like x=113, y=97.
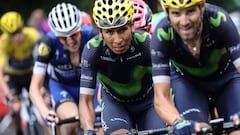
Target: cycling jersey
x=126, y=92
x=125, y=77
x=219, y=48
x=213, y=72
x=17, y=59
x=55, y=59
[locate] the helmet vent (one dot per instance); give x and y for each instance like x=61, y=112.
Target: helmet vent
x=122, y=1
x=110, y=2
x=110, y=11
x=111, y=20
x=174, y=3
x=125, y=13
x=122, y=9
x=104, y=1
x=189, y=1
x=117, y=7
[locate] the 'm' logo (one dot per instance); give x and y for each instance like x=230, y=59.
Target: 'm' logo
x=217, y=21
x=161, y=33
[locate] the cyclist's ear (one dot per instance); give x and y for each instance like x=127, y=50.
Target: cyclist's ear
x=202, y=6
x=99, y=30
x=132, y=27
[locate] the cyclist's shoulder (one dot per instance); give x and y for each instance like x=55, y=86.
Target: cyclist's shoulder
x=141, y=36
x=213, y=8
x=95, y=42
x=31, y=33
x=4, y=39
x=215, y=13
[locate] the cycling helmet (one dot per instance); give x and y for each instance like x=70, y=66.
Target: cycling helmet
x=64, y=19
x=11, y=22
x=142, y=16
x=112, y=13
x=179, y=3
x=86, y=19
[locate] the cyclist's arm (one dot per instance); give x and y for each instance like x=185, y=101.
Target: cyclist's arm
x=99, y=97
x=86, y=111
x=3, y=84
x=35, y=94
x=163, y=103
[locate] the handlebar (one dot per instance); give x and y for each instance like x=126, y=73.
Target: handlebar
x=159, y=131
x=69, y=120
x=218, y=126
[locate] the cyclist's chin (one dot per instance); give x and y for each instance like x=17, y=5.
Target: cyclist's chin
x=119, y=51
x=74, y=48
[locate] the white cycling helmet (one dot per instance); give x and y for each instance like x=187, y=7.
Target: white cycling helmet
x=65, y=19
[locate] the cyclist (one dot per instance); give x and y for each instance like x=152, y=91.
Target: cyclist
x=157, y=17
x=38, y=20
x=203, y=47
x=120, y=58
x=142, y=16
x=16, y=59
x=59, y=55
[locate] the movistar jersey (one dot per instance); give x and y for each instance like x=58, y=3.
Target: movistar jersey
x=55, y=59
x=219, y=48
x=17, y=59
x=124, y=76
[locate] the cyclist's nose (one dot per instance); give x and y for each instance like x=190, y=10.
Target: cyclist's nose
x=117, y=38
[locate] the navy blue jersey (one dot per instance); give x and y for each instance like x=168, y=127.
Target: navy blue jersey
x=125, y=76
x=56, y=58
x=220, y=47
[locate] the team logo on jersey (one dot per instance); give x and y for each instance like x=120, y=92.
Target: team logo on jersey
x=166, y=35
x=43, y=49
x=216, y=22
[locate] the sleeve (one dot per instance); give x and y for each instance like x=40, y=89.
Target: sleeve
x=221, y=21
x=159, y=53
x=3, y=53
x=90, y=56
x=43, y=55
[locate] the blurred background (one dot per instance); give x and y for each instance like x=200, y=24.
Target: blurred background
x=25, y=7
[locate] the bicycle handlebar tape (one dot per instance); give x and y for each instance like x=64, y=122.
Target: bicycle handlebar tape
x=89, y=132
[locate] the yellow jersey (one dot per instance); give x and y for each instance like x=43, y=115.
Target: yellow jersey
x=17, y=59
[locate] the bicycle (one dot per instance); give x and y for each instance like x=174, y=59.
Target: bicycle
x=160, y=131
x=216, y=127
x=97, y=124
x=28, y=114
x=33, y=125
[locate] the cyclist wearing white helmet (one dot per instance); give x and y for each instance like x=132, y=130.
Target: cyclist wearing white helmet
x=120, y=58
x=59, y=54
x=203, y=46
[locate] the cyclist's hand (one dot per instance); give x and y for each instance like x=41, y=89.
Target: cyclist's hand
x=51, y=118
x=184, y=127
x=236, y=118
x=89, y=132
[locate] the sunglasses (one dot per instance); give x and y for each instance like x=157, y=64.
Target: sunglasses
x=73, y=36
x=16, y=32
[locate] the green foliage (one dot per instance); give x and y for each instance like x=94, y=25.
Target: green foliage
x=25, y=7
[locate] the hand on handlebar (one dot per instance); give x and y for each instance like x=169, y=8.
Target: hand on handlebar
x=236, y=118
x=51, y=118
x=187, y=127
x=184, y=127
